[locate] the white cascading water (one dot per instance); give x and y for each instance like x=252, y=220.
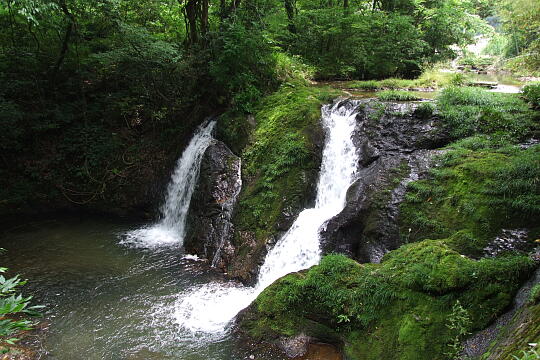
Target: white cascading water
x=207, y=310
x=171, y=228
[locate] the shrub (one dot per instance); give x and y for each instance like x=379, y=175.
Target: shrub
x=244, y=65
x=424, y=110
x=13, y=304
x=531, y=92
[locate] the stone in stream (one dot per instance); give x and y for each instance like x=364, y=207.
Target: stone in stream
x=485, y=84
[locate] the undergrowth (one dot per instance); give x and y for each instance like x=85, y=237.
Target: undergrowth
x=403, y=307
x=469, y=111
x=430, y=79
x=396, y=95
x=479, y=187
x=14, y=310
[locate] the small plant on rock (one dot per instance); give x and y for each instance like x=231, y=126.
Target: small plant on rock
x=534, y=295
x=459, y=323
x=528, y=355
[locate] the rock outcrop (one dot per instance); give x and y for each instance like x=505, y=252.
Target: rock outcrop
x=511, y=333
x=395, y=142
x=210, y=228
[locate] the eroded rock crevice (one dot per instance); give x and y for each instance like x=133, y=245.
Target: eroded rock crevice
x=396, y=145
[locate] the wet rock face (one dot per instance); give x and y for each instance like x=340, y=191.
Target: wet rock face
x=396, y=145
x=209, y=230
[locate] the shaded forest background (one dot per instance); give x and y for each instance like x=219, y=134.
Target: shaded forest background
x=99, y=96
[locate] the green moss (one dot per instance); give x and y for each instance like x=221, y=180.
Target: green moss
x=281, y=160
x=282, y=145
x=234, y=130
x=468, y=111
x=477, y=190
x=534, y=295
x=398, y=309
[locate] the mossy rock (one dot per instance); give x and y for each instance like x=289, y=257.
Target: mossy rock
x=399, y=309
x=478, y=189
x=280, y=166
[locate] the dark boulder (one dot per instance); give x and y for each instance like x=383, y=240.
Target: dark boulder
x=395, y=144
x=209, y=230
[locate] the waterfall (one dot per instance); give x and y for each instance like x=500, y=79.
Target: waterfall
x=207, y=310
x=170, y=229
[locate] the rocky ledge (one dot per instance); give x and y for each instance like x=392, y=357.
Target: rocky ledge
x=396, y=143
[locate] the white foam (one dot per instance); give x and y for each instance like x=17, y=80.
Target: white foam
x=209, y=310
x=170, y=230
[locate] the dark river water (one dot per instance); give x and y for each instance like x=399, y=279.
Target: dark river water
x=107, y=301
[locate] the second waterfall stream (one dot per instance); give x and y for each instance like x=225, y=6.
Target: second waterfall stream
x=207, y=310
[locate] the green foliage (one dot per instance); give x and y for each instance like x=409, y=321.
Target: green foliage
x=479, y=188
x=291, y=68
x=534, y=295
x=459, y=323
x=497, y=45
x=12, y=306
x=430, y=79
x=469, y=111
x=521, y=20
x=528, y=355
x=476, y=61
x=417, y=304
x=425, y=110
x=339, y=45
x=243, y=65
x=531, y=92
x=396, y=95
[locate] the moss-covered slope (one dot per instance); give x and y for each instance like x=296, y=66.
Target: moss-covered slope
x=477, y=190
x=280, y=165
x=402, y=308
x=423, y=299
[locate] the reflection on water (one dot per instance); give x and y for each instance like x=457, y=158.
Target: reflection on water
x=107, y=301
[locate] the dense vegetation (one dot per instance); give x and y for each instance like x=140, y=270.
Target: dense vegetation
x=517, y=36
x=15, y=310
x=95, y=94
x=428, y=295
x=99, y=97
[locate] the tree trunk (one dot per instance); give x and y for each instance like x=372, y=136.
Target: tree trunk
x=290, y=8
x=70, y=27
